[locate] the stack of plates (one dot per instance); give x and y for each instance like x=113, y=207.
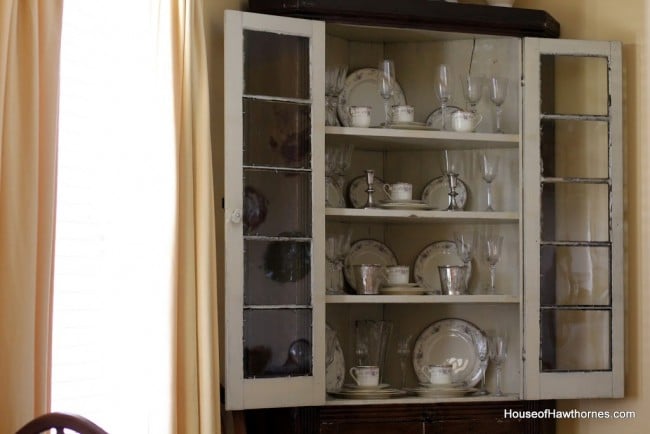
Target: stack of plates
x=405, y=289
x=404, y=204
x=353, y=391
x=442, y=390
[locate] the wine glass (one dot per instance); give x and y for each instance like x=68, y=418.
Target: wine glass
x=386, y=84
x=450, y=167
x=330, y=341
x=334, y=82
x=404, y=353
x=443, y=92
x=498, y=348
x=473, y=89
x=491, y=254
x=498, y=93
x=481, y=344
x=465, y=245
x=336, y=249
x=489, y=171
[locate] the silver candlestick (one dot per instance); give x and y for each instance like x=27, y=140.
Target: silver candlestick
x=370, y=179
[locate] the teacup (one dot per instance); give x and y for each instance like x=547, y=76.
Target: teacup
x=366, y=376
x=368, y=278
x=402, y=113
x=437, y=374
x=360, y=116
x=465, y=122
x=397, y=275
x=400, y=191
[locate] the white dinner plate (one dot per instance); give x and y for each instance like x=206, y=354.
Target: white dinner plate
x=357, y=191
x=335, y=371
x=450, y=341
x=366, y=252
x=425, y=269
x=436, y=193
x=361, y=89
x=434, y=120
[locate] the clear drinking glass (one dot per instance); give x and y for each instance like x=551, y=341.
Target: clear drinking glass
x=491, y=254
x=498, y=347
x=450, y=167
x=489, y=171
x=498, y=93
x=404, y=354
x=334, y=82
x=386, y=84
x=465, y=245
x=443, y=92
x=472, y=89
x=482, y=351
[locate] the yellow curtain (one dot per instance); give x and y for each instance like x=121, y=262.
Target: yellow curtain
x=196, y=367
x=30, y=38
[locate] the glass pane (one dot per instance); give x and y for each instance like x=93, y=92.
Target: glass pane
x=576, y=340
x=277, y=203
x=277, y=272
x=276, y=65
x=277, y=343
x=575, y=212
x=576, y=149
x=575, y=275
x=580, y=84
x=277, y=134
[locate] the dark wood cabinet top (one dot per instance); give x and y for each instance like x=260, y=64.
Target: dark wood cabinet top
x=421, y=14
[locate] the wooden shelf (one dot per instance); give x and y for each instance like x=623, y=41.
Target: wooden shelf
x=388, y=139
x=413, y=216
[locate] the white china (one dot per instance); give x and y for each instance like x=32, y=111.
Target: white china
x=465, y=122
x=438, y=374
x=360, y=116
x=361, y=89
x=399, y=191
x=411, y=204
x=436, y=193
x=402, y=114
x=362, y=388
x=374, y=393
x=357, y=191
x=449, y=341
x=425, y=269
x=335, y=370
x=365, y=376
x=397, y=275
x=366, y=252
x=434, y=120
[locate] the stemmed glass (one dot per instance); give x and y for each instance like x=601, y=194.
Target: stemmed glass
x=498, y=93
x=334, y=82
x=489, y=171
x=465, y=245
x=450, y=166
x=498, y=347
x=330, y=340
x=473, y=89
x=386, y=84
x=491, y=254
x=404, y=353
x=443, y=92
x=336, y=248
x=481, y=344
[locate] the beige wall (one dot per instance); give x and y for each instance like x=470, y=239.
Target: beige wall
x=580, y=19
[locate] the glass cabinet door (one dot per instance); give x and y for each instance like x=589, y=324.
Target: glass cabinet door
x=274, y=98
x=573, y=233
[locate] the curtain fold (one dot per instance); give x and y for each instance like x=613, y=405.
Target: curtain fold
x=196, y=367
x=30, y=39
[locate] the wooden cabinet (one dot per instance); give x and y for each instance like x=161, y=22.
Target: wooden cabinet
x=558, y=200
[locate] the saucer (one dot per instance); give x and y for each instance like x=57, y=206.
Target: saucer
x=358, y=387
x=404, y=204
